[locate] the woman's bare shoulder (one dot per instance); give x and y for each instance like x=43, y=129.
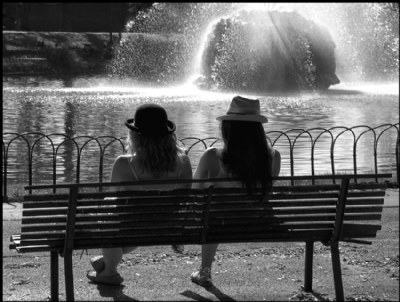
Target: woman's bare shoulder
x=123, y=157
x=121, y=160
x=212, y=152
x=210, y=160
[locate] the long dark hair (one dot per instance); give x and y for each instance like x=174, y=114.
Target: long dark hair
x=246, y=154
x=157, y=155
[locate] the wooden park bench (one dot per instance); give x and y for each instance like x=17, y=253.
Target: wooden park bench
x=67, y=217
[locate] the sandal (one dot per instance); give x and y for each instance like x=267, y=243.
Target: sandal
x=97, y=263
x=109, y=280
x=202, y=277
x=178, y=248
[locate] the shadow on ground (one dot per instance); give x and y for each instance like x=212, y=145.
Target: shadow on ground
x=212, y=289
x=115, y=292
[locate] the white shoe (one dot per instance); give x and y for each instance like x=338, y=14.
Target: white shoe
x=202, y=277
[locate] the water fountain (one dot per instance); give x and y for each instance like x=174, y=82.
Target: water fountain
x=268, y=51
x=263, y=47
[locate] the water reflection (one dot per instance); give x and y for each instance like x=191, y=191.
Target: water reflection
x=94, y=109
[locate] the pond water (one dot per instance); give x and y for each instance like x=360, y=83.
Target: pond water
x=99, y=106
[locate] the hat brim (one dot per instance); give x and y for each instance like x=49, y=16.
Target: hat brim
x=243, y=118
x=130, y=123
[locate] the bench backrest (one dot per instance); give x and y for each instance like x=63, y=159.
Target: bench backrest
x=197, y=216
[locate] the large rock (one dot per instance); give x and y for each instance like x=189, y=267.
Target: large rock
x=268, y=51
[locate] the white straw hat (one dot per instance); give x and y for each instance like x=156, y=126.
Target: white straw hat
x=242, y=109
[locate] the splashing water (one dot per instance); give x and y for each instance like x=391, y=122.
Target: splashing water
x=366, y=36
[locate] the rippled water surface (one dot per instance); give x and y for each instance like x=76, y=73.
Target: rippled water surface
x=99, y=106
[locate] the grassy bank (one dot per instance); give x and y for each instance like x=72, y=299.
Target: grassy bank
x=55, y=53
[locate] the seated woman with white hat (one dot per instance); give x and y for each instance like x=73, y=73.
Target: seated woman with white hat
x=245, y=154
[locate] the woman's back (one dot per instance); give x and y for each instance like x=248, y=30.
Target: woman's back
x=211, y=166
x=129, y=168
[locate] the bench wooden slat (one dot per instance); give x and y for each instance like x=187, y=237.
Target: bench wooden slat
x=276, y=196
x=41, y=241
x=41, y=231
x=42, y=197
x=101, y=195
x=294, y=211
x=306, y=207
x=119, y=200
x=15, y=241
x=232, y=204
x=172, y=198
x=305, y=218
x=38, y=248
x=143, y=192
x=363, y=201
x=79, y=226
x=275, y=202
x=116, y=231
x=320, y=216
x=299, y=236
x=161, y=217
x=368, y=186
x=44, y=235
x=169, y=241
x=366, y=194
x=113, y=242
x=187, y=228
x=220, y=227
x=362, y=230
x=106, y=209
x=285, y=232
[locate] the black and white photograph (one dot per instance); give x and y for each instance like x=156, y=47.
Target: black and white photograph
x=200, y=151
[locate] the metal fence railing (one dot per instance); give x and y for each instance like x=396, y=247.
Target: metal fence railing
x=34, y=149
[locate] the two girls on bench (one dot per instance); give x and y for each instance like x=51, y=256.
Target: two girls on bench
x=153, y=153
x=245, y=154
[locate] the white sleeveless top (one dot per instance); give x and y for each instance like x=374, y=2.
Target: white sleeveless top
x=169, y=175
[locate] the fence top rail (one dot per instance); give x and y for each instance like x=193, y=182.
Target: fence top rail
x=182, y=181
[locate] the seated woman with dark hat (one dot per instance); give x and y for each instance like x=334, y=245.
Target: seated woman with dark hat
x=153, y=153
x=245, y=154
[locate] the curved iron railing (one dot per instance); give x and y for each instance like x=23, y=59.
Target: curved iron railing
x=291, y=138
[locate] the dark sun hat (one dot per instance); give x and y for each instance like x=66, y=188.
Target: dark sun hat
x=151, y=120
x=242, y=109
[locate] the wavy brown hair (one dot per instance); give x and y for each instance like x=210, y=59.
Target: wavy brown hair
x=157, y=155
x=246, y=154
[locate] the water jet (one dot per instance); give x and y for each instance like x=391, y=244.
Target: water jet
x=268, y=51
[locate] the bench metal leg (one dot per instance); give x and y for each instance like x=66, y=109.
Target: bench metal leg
x=54, y=276
x=337, y=271
x=69, y=278
x=308, y=266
